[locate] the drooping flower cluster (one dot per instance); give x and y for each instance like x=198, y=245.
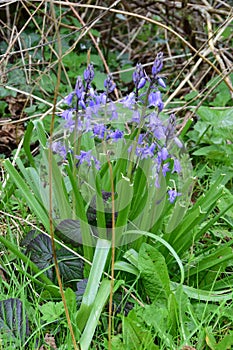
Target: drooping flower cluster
x=97, y=114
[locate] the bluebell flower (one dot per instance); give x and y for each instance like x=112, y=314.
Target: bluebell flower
x=139, y=77
x=99, y=130
x=156, y=126
x=162, y=155
x=140, y=139
x=165, y=169
x=68, y=99
x=112, y=111
x=87, y=157
x=116, y=135
x=136, y=116
x=68, y=116
x=89, y=74
x=79, y=88
x=147, y=151
x=141, y=83
x=172, y=195
x=59, y=148
x=109, y=84
x=155, y=100
x=161, y=82
x=158, y=64
x=129, y=101
x=176, y=166
x=84, y=157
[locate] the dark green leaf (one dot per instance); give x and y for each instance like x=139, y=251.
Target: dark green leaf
x=70, y=266
x=13, y=321
x=69, y=231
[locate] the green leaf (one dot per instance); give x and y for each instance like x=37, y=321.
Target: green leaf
x=135, y=334
x=163, y=243
x=154, y=273
x=52, y=311
x=3, y=106
x=99, y=80
x=13, y=322
x=69, y=231
x=126, y=267
x=93, y=318
x=26, y=143
x=97, y=269
x=39, y=249
x=35, y=206
x=156, y=317
x=205, y=295
x=70, y=266
x=226, y=343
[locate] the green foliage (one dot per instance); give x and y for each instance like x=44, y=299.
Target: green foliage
x=212, y=135
x=175, y=259
x=52, y=311
x=154, y=274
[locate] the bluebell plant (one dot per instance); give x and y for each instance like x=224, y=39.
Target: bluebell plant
x=100, y=126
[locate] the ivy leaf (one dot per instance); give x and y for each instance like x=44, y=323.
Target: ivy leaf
x=154, y=273
x=13, y=321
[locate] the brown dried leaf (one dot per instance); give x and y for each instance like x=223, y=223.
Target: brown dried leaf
x=50, y=340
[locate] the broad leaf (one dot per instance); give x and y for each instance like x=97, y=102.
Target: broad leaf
x=135, y=334
x=40, y=250
x=14, y=325
x=69, y=231
x=71, y=268
x=154, y=273
x=52, y=311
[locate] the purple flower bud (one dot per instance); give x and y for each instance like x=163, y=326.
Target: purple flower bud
x=178, y=142
x=158, y=64
x=170, y=129
x=138, y=75
x=79, y=88
x=172, y=195
x=109, y=84
x=161, y=82
x=68, y=99
x=141, y=83
x=89, y=74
